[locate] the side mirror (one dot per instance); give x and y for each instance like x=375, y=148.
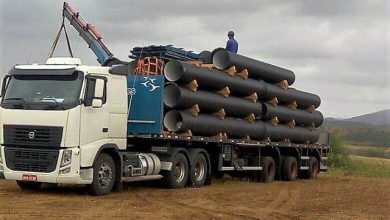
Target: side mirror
x=99, y=88
x=97, y=103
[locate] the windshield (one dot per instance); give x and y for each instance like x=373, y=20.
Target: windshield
x=43, y=92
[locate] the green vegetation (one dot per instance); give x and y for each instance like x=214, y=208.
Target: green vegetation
x=367, y=136
x=368, y=151
x=359, y=133
x=340, y=164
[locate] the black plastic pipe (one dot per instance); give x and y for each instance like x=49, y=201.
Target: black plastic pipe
x=205, y=56
x=207, y=125
x=182, y=73
x=178, y=97
x=287, y=96
x=180, y=121
x=286, y=114
x=295, y=135
x=224, y=59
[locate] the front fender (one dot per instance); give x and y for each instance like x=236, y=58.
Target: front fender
x=89, y=151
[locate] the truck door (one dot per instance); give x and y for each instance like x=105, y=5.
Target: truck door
x=94, y=114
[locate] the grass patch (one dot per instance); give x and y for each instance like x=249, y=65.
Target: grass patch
x=378, y=152
x=341, y=164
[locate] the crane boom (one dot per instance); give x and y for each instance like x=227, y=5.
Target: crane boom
x=90, y=35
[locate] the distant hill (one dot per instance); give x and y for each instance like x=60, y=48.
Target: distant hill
x=341, y=123
x=370, y=129
x=376, y=118
x=381, y=118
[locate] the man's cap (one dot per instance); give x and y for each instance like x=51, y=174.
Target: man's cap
x=231, y=33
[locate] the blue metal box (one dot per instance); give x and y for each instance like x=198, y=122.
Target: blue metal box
x=145, y=104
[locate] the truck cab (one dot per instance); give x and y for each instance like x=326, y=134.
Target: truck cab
x=56, y=117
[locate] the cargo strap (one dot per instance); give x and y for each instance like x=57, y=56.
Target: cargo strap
x=53, y=47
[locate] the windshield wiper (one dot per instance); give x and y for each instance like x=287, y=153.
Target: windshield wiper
x=22, y=101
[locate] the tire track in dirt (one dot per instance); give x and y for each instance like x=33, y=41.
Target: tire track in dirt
x=214, y=213
x=283, y=205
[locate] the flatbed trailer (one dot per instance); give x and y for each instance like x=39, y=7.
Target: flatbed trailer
x=219, y=152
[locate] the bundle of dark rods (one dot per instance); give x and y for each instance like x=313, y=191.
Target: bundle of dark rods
x=228, y=95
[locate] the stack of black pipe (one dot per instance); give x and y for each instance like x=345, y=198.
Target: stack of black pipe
x=238, y=97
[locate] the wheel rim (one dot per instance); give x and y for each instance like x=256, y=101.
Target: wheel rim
x=105, y=175
x=179, y=171
x=200, y=169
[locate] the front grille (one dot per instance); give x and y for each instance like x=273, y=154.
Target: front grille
x=24, y=135
x=31, y=160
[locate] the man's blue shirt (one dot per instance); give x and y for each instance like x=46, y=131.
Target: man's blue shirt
x=232, y=45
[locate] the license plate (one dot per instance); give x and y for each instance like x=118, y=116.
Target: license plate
x=31, y=178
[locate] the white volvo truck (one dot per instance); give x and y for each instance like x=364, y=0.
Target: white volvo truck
x=67, y=123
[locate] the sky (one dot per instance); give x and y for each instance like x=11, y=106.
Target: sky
x=337, y=49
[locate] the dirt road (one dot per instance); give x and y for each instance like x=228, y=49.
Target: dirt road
x=327, y=196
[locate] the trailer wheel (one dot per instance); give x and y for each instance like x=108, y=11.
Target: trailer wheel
x=24, y=185
x=199, y=170
x=268, y=172
x=312, y=172
x=103, y=176
x=290, y=169
x=178, y=176
x=313, y=168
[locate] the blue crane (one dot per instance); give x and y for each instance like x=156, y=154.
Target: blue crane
x=90, y=35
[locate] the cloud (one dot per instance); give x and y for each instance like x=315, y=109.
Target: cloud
x=337, y=49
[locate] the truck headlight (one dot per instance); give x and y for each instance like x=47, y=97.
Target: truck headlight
x=66, y=158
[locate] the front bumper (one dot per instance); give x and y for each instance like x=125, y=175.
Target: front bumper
x=74, y=176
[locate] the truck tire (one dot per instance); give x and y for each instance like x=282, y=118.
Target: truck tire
x=268, y=172
x=199, y=170
x=178, y=176
x=290, y=169
x=312, y=172
x=313, y=168
x=103, y=175
x=24, y=185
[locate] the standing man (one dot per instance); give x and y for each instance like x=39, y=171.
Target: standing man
x=232, y=44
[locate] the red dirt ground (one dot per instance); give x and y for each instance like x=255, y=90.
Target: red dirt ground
x=323, y=198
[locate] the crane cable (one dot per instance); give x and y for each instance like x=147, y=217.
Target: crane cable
x=53, y=47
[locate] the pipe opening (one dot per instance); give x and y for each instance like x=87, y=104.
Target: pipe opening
x=173, y=70
x=221, y=59
x=173, y=121
x=171, y=95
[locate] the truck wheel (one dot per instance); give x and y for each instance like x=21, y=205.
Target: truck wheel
x=290, y=169
x=103, y=175
x=199, y=170
x=312, y=172
x=178, y=176
x=313, y=168
x=24, y=185
x=268, y=172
